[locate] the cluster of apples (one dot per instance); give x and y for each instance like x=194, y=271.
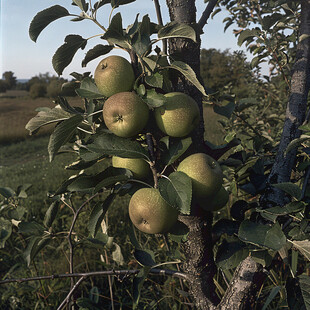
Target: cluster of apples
x=126, y=114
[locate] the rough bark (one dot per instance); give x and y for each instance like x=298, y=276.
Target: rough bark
x=188, y=51
x=241, y=293
x=295, y=113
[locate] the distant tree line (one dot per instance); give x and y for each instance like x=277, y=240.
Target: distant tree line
x=42, y=85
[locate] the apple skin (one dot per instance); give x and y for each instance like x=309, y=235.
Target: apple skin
x=150, y=213
x=179, y=115
x=125, y=114
x=217, y=202
x=206, y=175
x=139, y=167
x=114, y=74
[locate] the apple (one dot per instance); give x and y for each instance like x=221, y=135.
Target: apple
x=150, y=213
x=206, y=175
x=139, y=167
x=219, y=201
x=114, y=74
x=179, y=115
x=125, y=114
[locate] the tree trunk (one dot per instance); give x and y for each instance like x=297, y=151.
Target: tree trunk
x=295, y=113
x=198, y=249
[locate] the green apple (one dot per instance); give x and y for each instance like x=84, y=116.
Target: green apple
x=150, y=213
x=179, y=115
x=125, y=114
x=139, y=167
x=217, y=202
x=205, y=172
x=114, y=74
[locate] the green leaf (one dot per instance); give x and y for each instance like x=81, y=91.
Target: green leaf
x=17, y=213
x=94, y=294
x=35, y=245
x=292, y=207
x=145, y=257
x=225, y=110
x=303, y=247
x=177, y=30
x=97, y=51
x=97, y=214
x=297, y=142
x=141, y=40
x=46, y=117
x=189, y=74
x=304, y=283
x=81, y=4
x=154, y=99
x=50, y=214
x=110, y=144
x=273, y=293
x=111, y=176
x=30, y=228
x=62, y=134
x=65, y=53
x=247, y=34
x=230, y=254
x=271, y=237
x=64, y=104
x=115, y=34
x=177, y=191
x=88, y=89
x=290, y=188
x=176, y=148
x=7, y=192
x=155, y=80
x=44, y=18
x=5, y=231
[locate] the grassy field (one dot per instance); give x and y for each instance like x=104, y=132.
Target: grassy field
x=16, y=109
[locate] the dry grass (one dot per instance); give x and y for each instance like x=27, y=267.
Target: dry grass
x=16, y=109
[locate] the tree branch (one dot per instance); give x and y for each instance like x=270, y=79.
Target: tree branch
x=206, y=14
x=73, y=289
x=123, y=273
x=243, y=287
x=295, y=113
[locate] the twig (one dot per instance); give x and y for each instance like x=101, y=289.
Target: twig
x=160, y=22
x=67, y=299
x=207, y=12
x=75, y=216
x=125, y=273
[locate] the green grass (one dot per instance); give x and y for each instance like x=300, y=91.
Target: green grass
x=16, y=111
x=27, y=162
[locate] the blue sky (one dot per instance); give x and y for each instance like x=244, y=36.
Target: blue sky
x=27, y=58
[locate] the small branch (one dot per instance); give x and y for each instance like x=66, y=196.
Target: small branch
x=207, y=12
x=124, y=273
x=150, y=146
x=74, y=288
x=160, y=22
